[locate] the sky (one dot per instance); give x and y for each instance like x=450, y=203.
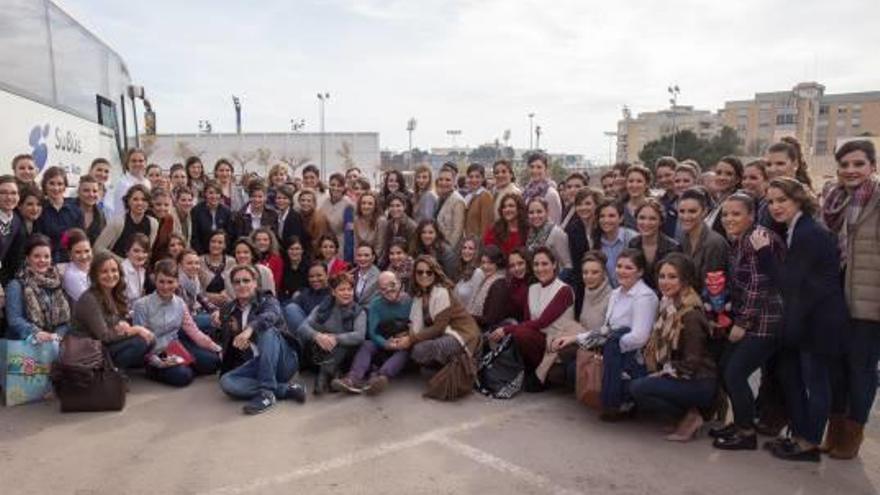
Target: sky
x=479, y=66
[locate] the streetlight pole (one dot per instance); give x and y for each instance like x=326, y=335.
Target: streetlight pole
x=322, y=98
x=410, y=127
x=531, y=129
x=611, y=135
x=538, y=137
x=674, y=91
x=236, y=102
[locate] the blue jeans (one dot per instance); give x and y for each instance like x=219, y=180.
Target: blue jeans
x=129, y=352
x=740, y=360
x=203, y=321
x=805, y=382
x=854, y=374
x=205, y=363
x=618, y=369
x=672, y=396
x=295, y=316
x=270, y=371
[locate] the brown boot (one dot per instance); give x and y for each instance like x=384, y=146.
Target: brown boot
x=833, y=434
x=850, y=441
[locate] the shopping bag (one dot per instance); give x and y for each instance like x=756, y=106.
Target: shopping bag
x=24, y=370
x=588, y=384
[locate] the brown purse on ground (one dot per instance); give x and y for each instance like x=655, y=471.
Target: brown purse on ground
x=454, y=380
x=588, y=382
x=85, y=378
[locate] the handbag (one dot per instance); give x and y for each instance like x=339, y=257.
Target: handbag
x=588, y=382
x=501, y=371
x=454, y=380
x=25, y=366
x=85, y=378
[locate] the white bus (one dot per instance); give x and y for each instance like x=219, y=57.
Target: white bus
x=62, y=91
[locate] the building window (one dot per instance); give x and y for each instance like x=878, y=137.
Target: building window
x=823, y=109
x=785, y=119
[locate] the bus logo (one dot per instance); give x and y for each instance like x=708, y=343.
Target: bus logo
x=39, y=150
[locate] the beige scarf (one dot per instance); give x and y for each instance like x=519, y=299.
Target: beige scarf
x=665, y=336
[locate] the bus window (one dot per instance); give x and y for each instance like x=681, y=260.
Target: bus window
x=108, y=118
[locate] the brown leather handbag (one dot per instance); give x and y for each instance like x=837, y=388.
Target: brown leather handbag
x=85, y=378
x=588, y=383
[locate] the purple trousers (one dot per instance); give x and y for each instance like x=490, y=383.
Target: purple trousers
x=392, y=362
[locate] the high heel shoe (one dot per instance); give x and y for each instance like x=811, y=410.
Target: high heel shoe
x=689, y=427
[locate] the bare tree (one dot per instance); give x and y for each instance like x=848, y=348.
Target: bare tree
x=184, y=150
x=345, y=152
x=242, y=158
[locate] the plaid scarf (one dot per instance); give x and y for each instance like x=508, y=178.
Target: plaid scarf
x=45, y=303
x=842, y=208
x=665, y=336
x=538, y=237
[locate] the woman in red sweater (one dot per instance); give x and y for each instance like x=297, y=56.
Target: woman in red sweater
x=511, y=227
x=270, y=254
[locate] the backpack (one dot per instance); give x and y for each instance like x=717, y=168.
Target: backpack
x=501, y=371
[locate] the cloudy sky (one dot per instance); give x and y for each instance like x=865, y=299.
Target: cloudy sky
x=476, y=65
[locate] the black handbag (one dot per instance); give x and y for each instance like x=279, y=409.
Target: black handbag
x=86, y=381
x=501, y=372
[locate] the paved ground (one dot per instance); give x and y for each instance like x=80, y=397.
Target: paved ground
x=195, y=441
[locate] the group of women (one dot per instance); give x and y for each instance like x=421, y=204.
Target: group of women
x=686, y=287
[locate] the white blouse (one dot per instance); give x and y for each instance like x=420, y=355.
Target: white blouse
x=635, y=309
x=75, y=281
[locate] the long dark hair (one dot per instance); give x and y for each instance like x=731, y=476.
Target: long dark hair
x=500, y=228
x=440, y=277
x=417, y=248
x=117, y=303
x=792, y=148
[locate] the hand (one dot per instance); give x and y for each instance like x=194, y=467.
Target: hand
x=392, y=344
x=759, y=239
x=243, y=340
x=561, y=342
x=325, y=341
x=403, y=343
x=215, y=318
x=736, y=333
x=496, y=335
x=144, y=333
x=43, y=337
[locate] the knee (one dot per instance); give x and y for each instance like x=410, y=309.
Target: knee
x=229, y=386
x=420, y=353
x=181, y=377
x=638, y=388
x=268, y=337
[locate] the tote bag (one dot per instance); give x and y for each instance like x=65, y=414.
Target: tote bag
x=588, y=384
x=25, y=366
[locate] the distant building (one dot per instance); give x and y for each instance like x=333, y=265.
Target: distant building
x=816, y=119
x=634, y=133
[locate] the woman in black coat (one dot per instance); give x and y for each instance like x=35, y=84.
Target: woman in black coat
x=208, y=216
x=814, y=316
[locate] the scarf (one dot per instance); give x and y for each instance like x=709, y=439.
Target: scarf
x=665, y=336
x=538, y=237
x=475, y=306
x=347, y=314
x=535, y=189
x=45, y=303
x=189, y=291
x=473, y=195
x=842, y=209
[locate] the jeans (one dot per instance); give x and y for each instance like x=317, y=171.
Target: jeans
x=740, y=360
x=392, y=362
x=295, y=316
x=128, y=352
x=618, y=369
x=270, y=371
x=807, y=388
x=205, y=363
x=854, y=374
x=203, y=321
x=672, y=396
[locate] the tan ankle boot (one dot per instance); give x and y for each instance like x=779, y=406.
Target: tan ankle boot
x=833, y=433
x=850, y=441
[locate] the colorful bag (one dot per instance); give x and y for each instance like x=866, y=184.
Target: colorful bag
x=588, y=385
x=24, y=370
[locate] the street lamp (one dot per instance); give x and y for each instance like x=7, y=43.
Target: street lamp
x=205, y=126
x=611, y=135
x=674, y=91
x=236, y=102
x=453, y=133
x=538, y=137
x=322, y=98
x=296, y=125
x=531, y=129
x=410, y=127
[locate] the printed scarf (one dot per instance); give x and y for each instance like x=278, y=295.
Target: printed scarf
x=842, y=208
x=665, y=335
x=44, y=301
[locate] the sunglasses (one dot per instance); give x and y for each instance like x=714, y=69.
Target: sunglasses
x=424, y=272
x=241, y=281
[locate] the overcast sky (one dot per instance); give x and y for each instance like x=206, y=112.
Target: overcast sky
x=479, y=66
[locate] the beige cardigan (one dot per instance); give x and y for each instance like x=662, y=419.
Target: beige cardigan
x=450, y=219
x=114, y=228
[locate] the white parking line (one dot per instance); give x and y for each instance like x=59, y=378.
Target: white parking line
x=363, y=455
x=500, y=464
